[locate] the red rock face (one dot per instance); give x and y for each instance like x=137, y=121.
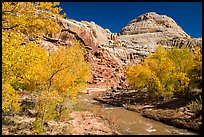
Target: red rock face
x=108, y=53
x=105, y=72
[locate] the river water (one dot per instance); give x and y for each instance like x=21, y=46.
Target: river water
x=129, y=122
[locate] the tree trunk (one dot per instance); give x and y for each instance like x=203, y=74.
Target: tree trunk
x=44, y=115
x=45, y=108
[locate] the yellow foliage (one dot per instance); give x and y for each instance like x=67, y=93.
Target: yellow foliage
x=26, y=65
x=183, y=59
x=66, y=74
x=167, y=72
x=21, y=21
x=70, y=70
x=10, y=99
x=47, y=101
x=22, y=58
x=30, y=18
x=195, y=73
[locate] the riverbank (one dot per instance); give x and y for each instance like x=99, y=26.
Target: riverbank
x=90, y=117
x=181, y=113
x=79, y=123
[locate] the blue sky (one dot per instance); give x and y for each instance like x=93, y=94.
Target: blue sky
x=116, y=15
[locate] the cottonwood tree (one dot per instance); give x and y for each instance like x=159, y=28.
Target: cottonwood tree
x=22, y=23
x=26, y=65
x=167, y=73
x=66, y=75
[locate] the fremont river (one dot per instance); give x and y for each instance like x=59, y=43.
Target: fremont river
x=128, y=122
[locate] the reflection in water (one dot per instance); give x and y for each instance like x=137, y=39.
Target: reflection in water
x=129, y=122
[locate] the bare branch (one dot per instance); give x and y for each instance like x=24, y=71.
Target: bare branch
x=7, y=11
x=8, y=28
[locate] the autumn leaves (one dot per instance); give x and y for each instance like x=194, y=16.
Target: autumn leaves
x=168, y=73
x=26, y=65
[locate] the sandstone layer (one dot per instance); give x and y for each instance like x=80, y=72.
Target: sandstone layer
x=109, y=53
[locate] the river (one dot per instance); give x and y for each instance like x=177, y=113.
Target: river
x=128, y=122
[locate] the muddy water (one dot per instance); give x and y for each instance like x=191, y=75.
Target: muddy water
x=129, y=122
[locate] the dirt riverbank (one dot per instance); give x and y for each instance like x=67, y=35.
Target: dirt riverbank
x=79, y=123
x=181, y=113
x=82, y=121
